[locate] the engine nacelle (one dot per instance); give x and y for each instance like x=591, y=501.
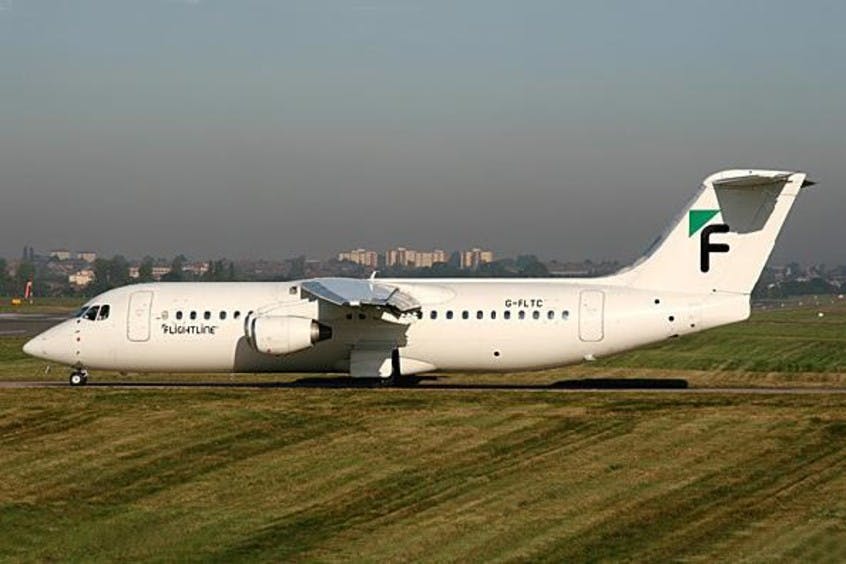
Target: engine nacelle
x=285, y=334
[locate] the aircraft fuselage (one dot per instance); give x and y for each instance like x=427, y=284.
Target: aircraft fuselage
x=463, y=325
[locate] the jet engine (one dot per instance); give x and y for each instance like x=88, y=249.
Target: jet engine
x=284, y=334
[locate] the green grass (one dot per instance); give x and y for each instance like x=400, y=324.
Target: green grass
x=395, y=475
x=104, y=474
x=792, y=340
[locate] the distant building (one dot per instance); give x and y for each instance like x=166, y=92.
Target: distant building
x=87, y=256
x=363, y=257
x=425, y=259
x=81, y=278
x=60, y=254
x=196, y=268
x=403, y=257
x=158, y=272
x=397, y=257
x=474, y=257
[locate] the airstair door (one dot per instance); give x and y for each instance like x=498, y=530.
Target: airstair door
x=591, y=313
x=138, y=318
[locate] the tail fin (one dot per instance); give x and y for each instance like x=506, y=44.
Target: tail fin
x=723, y=239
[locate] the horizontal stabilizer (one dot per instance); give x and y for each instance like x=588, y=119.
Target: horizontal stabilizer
x=752, y=180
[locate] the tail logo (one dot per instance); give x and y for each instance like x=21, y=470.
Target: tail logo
x=706, y=247
x=697, y=220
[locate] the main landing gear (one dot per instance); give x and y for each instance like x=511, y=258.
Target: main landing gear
x=79, y=377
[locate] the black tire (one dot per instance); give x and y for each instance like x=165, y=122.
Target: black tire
x=77, y=379
x=388, y=382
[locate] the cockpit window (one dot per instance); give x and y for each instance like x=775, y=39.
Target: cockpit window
x=91, y=314
x=104, y=312
x=81, y=312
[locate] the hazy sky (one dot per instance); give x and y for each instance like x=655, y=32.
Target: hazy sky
x=270, y=129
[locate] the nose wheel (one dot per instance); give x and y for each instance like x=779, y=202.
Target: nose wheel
x=78, y=377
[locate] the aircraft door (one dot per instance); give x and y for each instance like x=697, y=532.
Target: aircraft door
x=138, y=316
x=591, y=314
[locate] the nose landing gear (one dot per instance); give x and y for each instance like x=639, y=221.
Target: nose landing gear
x=79, y=377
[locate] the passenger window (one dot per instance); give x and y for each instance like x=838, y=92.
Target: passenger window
x=535, y=314
x=507, y=314
x=465, y=314
x=493, y=314
x=449, y=314
x=479, y=314
x=521, y=314
x=193, y=315
x=433, y=314
x=222, y=315
x=237, y=314
x=91, y=314
x=179, y=315
x=550, y=314
x=207, y=315
x=565, y=315
x=104, y=312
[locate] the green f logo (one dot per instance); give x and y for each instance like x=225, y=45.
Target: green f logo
x=698, y=218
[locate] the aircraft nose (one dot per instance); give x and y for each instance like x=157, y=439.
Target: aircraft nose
x=53, y=344
x=30, y=347
x=39, y=346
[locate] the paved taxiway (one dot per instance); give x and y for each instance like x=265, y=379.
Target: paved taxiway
x=428, y=387
x=25, y=324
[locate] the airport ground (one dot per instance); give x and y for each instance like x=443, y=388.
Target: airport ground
x=726, y=445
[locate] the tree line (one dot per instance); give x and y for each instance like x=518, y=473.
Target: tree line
x=108, y=273
x=11, y=285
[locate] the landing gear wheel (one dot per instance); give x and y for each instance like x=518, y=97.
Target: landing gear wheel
x=78, y=378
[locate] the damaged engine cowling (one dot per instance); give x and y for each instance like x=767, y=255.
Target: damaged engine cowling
x=284, y=334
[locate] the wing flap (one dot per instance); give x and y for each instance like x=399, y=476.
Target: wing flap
x=352, y=292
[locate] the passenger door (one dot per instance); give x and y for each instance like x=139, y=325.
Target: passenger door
x=138, y=318
x=591, y=314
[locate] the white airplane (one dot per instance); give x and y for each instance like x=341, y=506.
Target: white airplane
x=698, y=275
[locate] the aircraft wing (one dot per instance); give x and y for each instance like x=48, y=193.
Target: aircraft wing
x=353, y=292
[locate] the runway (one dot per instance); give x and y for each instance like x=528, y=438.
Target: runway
x=27, y=324
x=566, y=387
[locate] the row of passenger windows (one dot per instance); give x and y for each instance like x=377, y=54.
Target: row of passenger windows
x=94, y=313
x=207, y=315
x=521, y=314
x=493, y=314
x=100, y=312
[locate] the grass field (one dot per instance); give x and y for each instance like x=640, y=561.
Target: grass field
x=407, y=474
x=795, y=339
x=397, y=474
